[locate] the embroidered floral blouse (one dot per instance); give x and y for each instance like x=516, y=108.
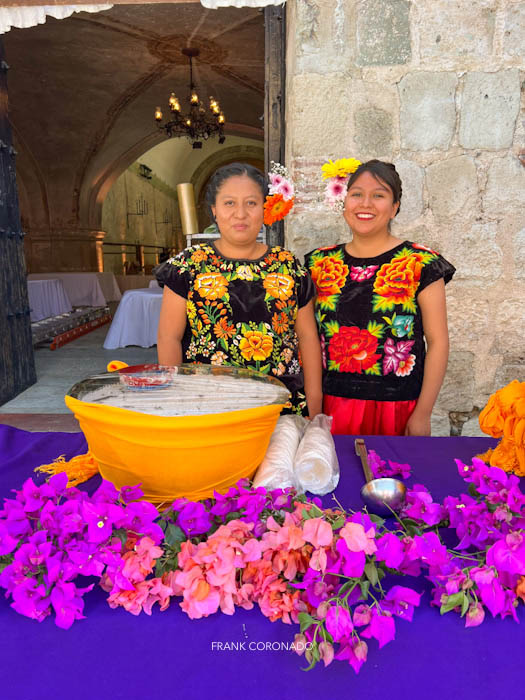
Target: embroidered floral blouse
x=369, y=319
x=242, y=312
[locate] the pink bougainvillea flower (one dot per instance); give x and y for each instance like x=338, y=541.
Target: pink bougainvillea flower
x=475, y=615
x=326, y=652
x=362, y=615
x=508, y=554
x=382, y=627
x=354, y=651
x=401, y=601
x=318, y=560
x=318, y=532
x=357, y=540
x=338, y=622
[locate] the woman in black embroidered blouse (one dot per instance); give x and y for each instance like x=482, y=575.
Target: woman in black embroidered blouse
x=380, y=303
x=237, y=302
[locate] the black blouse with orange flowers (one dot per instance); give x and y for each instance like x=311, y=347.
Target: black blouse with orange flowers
x=369, y=319
x=242, y=312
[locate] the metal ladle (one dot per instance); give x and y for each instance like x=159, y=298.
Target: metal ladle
x=381, y=496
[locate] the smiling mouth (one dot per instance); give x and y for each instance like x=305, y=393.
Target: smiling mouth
x=365, y=217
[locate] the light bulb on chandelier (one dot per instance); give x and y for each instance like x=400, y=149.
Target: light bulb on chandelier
x=198, y=124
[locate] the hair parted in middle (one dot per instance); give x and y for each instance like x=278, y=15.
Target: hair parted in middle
x=381, y=170
x=233, y=170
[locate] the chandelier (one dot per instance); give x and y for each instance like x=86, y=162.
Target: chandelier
x=198, y=124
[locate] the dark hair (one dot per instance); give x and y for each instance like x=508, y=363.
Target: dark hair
x=381, y=171
x=232, y=170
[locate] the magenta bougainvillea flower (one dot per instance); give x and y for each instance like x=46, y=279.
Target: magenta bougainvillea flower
x=296, y=561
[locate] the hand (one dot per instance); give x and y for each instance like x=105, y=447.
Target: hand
x=418, y=424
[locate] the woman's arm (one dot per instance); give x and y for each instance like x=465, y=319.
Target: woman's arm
x=433, y=306
x=172, y=325
x=310, y=349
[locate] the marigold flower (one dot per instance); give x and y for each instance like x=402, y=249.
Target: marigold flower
x=398, y=280
x=223, y=329
x=329, y=275
x=211, y=285
x=278, y=285
x=255, y=345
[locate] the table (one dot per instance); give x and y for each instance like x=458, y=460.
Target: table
x=85, y=288
x=47, y=298
x=136, y=319
x=117, y=655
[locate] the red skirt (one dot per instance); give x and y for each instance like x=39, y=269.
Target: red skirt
x=363, y=417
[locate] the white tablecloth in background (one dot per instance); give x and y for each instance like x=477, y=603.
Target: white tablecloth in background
x=109, y=286
x=136, y=319
x=47, y=298
x=154, y=284
x=85, y=288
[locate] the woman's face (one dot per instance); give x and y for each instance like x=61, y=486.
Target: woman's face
x=239, y=210
x=369, y=206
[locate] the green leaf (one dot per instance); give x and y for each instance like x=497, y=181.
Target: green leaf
x=378, y=520
x=174, y=535
x=375, y=329
x=121, y=534
x=388, y=320
x=331, y=328
x=464, y=606
x=371, y=573
x=305, y=621
x=234, y=515
x=375, y=370
x=451, y=602
x=472, y=491
x=338, y=522
x=381, y=303
x=365, y=587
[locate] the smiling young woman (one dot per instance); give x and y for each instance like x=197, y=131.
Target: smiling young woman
x=237, y=302
x=382, y=316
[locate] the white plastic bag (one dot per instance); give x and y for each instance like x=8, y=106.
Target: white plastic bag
x=277, y=468
x=316, y=465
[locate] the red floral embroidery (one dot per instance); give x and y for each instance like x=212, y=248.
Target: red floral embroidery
x=353, y=349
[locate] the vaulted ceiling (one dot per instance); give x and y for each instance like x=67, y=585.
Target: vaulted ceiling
x=82, y=93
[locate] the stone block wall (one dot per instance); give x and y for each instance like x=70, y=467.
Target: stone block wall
x=437, y=87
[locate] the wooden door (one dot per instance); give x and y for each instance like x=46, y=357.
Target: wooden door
x=274, y=98
x=17, y=366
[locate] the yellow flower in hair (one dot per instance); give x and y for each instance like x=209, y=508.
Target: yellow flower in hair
x=340, y=168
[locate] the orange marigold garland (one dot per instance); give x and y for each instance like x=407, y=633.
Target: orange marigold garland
x=504, y=417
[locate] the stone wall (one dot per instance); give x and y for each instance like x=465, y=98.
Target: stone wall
x=436, y=87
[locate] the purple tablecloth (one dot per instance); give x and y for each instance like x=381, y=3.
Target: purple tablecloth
x=112, y=654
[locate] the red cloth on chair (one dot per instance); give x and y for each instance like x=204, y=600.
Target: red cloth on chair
x=364, y=417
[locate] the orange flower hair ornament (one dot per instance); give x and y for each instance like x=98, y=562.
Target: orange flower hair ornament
x=504, y=417
x=280, y=198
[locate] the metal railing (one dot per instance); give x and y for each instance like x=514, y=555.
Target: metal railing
x=134, y=255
